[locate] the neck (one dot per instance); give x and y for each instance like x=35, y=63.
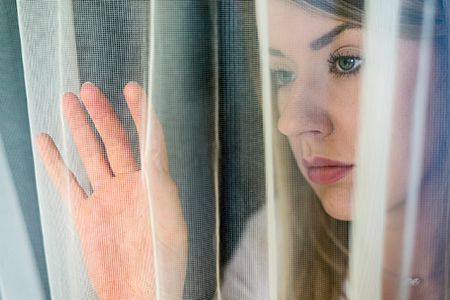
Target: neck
x=424, y=249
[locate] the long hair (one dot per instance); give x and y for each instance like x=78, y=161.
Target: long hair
x=317, y=260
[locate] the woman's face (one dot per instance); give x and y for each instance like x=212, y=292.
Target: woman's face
x=315, y=63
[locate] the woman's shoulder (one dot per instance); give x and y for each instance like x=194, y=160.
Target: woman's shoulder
x=246, y=274
x=254, y=238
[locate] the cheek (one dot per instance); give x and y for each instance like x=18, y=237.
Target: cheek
x=405, y=89
x=344, y=112
x=298, y=152
x=402, y=123
x=281, y=97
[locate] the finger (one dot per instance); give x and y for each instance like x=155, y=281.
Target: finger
x=137, y=103
x=165, y=202
x=88, y=146
x=114, y=137
x=158, y=149
x=63, y=179
x=163, y=189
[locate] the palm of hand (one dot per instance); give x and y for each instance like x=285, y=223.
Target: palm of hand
x=115, y=236
x=114, y=223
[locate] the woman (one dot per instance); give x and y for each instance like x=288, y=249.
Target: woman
x=316, y=76
x=316, y=73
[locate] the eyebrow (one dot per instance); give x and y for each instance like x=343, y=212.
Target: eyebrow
x=331, y=35
x=275, y=52
x=322, y=41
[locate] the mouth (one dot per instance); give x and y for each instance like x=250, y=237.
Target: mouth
x=325, y=171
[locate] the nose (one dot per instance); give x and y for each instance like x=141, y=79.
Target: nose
x=305, y=113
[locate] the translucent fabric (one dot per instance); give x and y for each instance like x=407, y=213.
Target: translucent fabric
x=268, y=149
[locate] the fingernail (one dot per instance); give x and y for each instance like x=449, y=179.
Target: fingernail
x=87, y=86
x=87, y=83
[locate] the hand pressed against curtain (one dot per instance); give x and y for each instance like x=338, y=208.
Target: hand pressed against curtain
x=113, y=223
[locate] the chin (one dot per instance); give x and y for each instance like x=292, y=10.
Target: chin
x=336, y=202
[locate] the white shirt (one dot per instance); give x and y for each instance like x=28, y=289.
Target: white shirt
x=246, y=276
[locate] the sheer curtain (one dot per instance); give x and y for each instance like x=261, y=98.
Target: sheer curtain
x=263, y=149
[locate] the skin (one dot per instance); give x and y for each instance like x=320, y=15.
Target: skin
x=113, y=223
x=317, y=112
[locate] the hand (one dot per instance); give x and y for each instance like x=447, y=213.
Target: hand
x=113, y=223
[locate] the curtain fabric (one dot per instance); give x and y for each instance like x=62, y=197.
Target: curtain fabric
x=262, y=149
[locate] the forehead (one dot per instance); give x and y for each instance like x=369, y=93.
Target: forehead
x=292, y=24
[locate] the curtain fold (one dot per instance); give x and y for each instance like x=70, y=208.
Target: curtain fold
x=265, y=149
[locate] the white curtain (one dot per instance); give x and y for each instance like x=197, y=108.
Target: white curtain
x=263, y=149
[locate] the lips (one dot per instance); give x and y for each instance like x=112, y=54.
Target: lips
x=325, y=171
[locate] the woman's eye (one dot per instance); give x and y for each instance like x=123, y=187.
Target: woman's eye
x=282, y=77
x=345, y=64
